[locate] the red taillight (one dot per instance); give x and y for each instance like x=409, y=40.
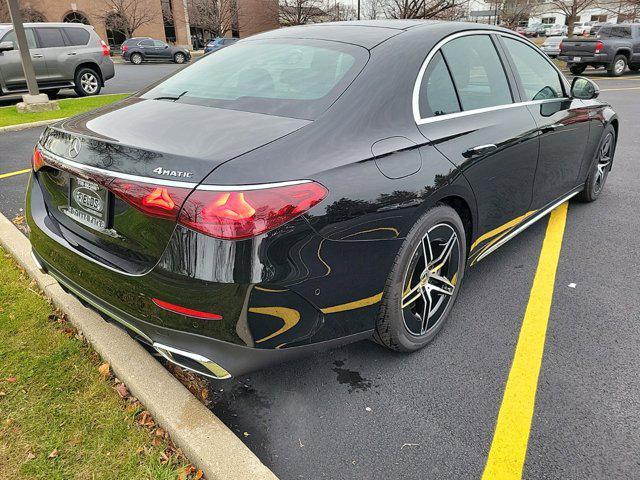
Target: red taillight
x=125, y=48
x=560, y=46
x=105, y=48
x=158, y=201
x=186, y=311
x=37, y=160
x=246, y=213
x=599, y=46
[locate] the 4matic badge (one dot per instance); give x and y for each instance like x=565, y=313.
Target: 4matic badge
x=172, y=173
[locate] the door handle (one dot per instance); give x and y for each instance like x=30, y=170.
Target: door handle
x=72, y=53
x=551, y=128
x=37, y=55
x=480, y=150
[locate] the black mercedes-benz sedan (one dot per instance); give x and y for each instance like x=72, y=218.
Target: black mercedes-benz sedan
x=312, y=186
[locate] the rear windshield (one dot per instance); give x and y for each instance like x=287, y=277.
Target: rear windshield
x=293, y=78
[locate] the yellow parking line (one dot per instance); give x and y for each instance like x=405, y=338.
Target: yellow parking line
x=511, y=436
x=11, y=174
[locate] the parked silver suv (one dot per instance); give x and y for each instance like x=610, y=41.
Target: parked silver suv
x=64, y=55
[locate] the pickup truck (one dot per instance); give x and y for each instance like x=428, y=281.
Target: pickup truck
x=614, y=47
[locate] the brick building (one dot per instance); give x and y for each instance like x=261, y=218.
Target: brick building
x=161, y=19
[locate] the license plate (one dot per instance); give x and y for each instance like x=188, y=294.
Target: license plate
x=577, y=59
x=88, y=203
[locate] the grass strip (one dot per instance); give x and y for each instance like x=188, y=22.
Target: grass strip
x=68, y=108
x=62, y=415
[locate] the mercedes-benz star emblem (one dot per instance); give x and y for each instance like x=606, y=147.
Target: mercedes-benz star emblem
x=74, y=148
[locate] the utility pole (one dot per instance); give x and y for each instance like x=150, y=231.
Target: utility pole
x=34, y=101
x=358, y=9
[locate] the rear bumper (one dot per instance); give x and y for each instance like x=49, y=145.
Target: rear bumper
x=204, y=355
x=108, y=69
x=598, y=58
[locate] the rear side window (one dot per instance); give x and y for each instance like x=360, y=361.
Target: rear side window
x=50, y=37
x=620, y=32
x=11, y=37
x=540, y=80
x=146, y=43
x=76, y=35
x=477, y=72
x=295, y=78
x=437, y=93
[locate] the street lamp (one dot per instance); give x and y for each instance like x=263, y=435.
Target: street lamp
x=34, y=101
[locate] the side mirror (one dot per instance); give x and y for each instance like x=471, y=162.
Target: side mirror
x=6, y=46
x=166, y=46
x=584, y=89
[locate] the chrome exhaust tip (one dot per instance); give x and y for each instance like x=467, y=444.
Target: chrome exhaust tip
x=37, y=262
x=192, y=361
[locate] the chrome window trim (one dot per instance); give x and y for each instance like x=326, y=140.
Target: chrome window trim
x=416, y=87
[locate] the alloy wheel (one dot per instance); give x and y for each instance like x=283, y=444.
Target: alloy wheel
x=619, y=66
x=89, y=83
x=180, y=58
x=604, y=163
x=430, y=280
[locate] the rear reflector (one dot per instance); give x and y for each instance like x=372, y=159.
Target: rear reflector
x=37, y=160
x=186, y=311
x=234, y=215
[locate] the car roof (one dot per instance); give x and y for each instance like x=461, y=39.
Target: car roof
x=368, y=33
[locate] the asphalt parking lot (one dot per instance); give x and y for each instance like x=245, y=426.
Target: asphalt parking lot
x=363, y=412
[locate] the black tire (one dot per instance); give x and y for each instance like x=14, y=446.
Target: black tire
x=395, y=322
x=577, y=69
x=136, y=58
x=600, y=167
x=618, y=66
x=634, y=68
x=87, y=82
x=179, y=58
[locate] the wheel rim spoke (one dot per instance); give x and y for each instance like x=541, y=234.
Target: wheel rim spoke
x=444, y=257
x=411, y=296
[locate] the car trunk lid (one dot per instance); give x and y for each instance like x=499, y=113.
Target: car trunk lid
x=114, y=179
x=577, y=48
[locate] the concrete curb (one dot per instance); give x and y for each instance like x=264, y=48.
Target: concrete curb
x=25, y=126
x=204, y=439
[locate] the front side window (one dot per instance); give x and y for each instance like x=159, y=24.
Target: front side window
x=620, y=32
x=146, y=43
x=540, y=80
x=437, y=93
x=51, y=37
x=11, y=37
x=295, y=78
x=477, y=72
x=158, y=43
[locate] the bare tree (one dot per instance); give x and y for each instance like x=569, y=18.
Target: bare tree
x=126, y=16
x=217, y=16
x=624, y=10
x=512, y=12
x=374, y=9
x=29, y=13
x=337, y=11
x=570, y=8
x=300, y=12
x=441, y=9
